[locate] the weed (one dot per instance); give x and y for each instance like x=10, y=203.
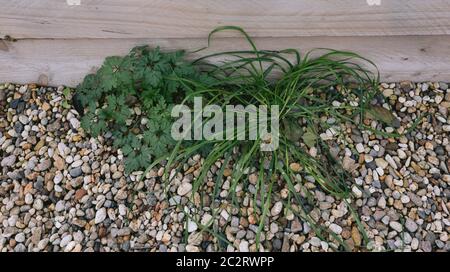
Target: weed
x=306, y=90
x=131, y=97
x=309, y=89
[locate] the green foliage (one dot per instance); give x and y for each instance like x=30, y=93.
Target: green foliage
x=309, y=138
x=67, y=96
x=146, y=79
x=305, y=89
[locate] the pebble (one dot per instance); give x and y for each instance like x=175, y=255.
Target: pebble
x=295, y=167
x=224, y=214
x=65, y=240
x=401, y=154
x=59, y=163
x=357, y=191
x=382, y=203
x=410, y=225
x=360, y=148
x=336, y=228
x=426, y=246
x=191, y=248
x=43, y=243
x=75, y=172
x=28, y=199
x=74, y=123
x=391, y=161
x=38, y=204
x=20, y=237
x=206, y=219
x=23, y=119
x=314, y=241
x=58, y=178
x=65, y=191
x=184, y=188
x=192, y=226
x=8, y=161
x=396, y=226
x=405, y=199
x=62, y=149
x=388, y=92
x=276, y=209
x=381, y=163
x=243, y=246
x=296, y=226
x=79, y=194
x=60, y=206
x=100, y=216
x=356, y=236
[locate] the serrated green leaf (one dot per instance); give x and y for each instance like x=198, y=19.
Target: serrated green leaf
x=152, y=78
x=309, y=138
x=131, y=164
x=66, y=93
x=292, y=130
x=65, y=104
x=382, y=114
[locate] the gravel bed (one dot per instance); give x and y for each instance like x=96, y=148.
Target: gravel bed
x=63, y=191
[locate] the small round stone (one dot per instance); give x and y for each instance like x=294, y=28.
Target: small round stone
x=28, y=199
x=396, y=226
x=276, y=209
x=184, y=188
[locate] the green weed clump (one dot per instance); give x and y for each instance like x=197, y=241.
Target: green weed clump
x=309, y=89
x=131, y=97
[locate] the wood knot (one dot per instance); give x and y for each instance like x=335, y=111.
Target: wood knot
x=4, y=46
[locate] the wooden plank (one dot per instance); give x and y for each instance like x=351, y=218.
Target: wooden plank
x=417, y=58
x=196, y=18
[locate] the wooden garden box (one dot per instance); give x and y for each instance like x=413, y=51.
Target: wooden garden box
x=59, y=41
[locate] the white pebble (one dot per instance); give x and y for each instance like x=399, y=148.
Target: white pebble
x=336, y=228
x=100, y=216
x=357, y=191
x=243, y=246
x=276, y=209
x=184, y=188
x=360, y=148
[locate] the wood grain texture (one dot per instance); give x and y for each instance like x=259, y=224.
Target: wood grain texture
x=196, y=18
x=417, y=58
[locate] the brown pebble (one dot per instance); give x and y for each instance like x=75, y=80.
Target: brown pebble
x=227, y=172
x=59, y=162
x=296, y=167
x=252, y=219
x=356, y=236
x=346, y=233
x=79, y=194
x=28, y=188
x=76, y=138
x=46, y=106
x=102, y=232
x=39, y=145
